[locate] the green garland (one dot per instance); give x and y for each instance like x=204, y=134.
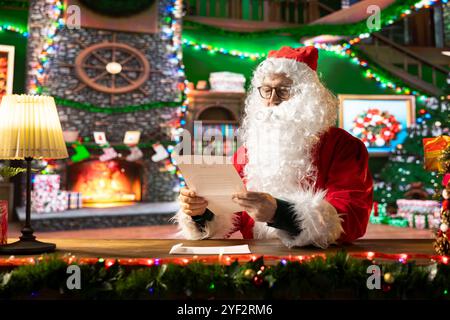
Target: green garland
x=388, y=15
x=115, y=110
x=336, y=276
x=143, y=145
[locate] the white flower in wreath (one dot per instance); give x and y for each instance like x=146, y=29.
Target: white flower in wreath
x=376, y=118
x=380, y=142
x=357, y=131
x=387, y=133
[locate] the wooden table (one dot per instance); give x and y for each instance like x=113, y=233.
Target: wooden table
x=153, y=248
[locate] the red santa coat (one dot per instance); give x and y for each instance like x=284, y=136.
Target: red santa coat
x=337, y=209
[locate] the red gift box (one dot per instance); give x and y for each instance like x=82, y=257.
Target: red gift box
x=3, y=221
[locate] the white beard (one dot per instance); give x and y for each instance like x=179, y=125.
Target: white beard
x=280, y=143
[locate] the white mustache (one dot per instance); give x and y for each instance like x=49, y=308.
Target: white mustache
x=286, y=111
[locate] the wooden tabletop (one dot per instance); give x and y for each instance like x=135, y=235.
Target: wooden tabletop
x=154, y=248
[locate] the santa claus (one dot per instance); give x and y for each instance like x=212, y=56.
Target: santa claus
x=308, y=182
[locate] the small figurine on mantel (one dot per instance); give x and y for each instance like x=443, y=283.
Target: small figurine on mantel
x=307, y=182
x=202, y=85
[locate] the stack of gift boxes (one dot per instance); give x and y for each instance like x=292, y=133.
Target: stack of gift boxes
x=380, y=216
x=47, y=196
x=420, y=214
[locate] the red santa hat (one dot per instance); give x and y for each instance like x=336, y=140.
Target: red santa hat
x=307, y=55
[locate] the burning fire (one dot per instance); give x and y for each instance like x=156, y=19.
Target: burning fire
x=103, y=183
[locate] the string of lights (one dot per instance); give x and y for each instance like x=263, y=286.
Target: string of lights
x=13, y=261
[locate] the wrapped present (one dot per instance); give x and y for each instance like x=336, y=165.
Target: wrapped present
x=46, y=182
x=379, y=209
x=409, y=206
x=433, y=149
x=75, y=200
x=43, y=202
x=227, y=81
x=422, y=221
x=3, y=222
x=398, y=222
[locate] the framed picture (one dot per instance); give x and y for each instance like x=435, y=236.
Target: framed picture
x=380, y=121
x=132, y=137
x=6, y=69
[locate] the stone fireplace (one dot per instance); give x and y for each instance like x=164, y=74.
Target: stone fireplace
x=148, y=74
x=112, y=75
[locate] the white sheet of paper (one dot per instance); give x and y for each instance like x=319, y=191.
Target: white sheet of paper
x=180, y=249
x=216, y=181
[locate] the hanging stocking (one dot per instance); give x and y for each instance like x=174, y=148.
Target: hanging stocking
x=135, y=154
x=108, y=154
x=160, y=152
x=81, y=153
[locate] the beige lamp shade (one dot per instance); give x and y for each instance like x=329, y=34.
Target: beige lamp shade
x=30, y=127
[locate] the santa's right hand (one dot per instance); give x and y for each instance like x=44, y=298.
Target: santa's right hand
x=190, y=203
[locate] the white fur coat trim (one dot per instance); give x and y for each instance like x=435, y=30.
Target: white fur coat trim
x=318, y=219
x=221, y=226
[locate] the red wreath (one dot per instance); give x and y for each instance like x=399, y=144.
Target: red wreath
x=376, y=128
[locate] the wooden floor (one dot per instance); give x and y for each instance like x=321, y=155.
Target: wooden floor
x=168, y=232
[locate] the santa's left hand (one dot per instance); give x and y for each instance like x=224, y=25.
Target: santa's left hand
x=259, y=205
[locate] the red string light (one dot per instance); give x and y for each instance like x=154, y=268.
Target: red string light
x=108, y=262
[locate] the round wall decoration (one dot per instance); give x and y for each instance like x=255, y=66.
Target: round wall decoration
x=112, y=67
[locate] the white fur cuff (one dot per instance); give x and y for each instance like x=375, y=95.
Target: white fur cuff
x=219, y=227
x=318, y=219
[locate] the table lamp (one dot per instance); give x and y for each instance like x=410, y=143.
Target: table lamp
x=29, y=129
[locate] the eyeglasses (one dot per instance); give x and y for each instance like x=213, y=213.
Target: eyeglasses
x=282, y=92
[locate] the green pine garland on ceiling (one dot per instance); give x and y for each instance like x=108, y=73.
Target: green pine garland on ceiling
x=142, y=145
x=388, y=15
